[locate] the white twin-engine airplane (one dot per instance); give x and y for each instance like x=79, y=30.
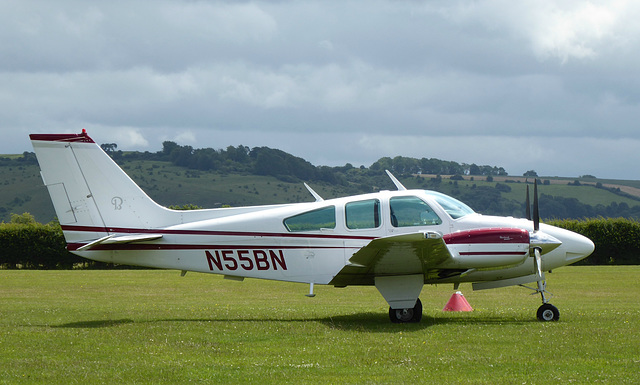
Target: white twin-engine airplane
x=395, y=240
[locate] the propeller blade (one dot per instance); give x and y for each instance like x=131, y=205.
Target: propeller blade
x=542, y=285
x=538, y=260
x=536, y=211
x=528, y=205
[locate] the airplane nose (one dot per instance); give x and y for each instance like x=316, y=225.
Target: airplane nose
x=574, y=246
x=578, y=247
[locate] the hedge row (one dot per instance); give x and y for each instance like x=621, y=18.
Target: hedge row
x=617, y=240
x=25, y=244
x=34, y=246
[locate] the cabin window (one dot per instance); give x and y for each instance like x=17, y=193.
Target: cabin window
x=412, y=211
x=363, y=214
x=324, y=218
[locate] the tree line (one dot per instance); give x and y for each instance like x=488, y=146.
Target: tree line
x=287, y=167
x=265, y=161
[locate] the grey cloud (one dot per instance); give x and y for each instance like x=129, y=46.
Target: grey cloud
x=456, y=79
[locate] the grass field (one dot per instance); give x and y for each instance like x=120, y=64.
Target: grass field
x=153, y=326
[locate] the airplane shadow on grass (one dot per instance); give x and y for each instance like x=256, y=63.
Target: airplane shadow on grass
x=367, y=322
x=94, y=324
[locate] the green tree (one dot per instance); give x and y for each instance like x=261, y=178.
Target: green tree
x=23, y=219
x=109, y=148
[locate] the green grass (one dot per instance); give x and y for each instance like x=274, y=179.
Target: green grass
x=157, y=327
x=585, y=194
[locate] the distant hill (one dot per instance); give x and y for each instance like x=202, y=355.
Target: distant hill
x=237, y=176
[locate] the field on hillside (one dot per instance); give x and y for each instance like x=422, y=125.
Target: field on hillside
x=23, y=191
x=153, y=326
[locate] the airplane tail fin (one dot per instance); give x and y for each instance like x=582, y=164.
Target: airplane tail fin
x=90, y=193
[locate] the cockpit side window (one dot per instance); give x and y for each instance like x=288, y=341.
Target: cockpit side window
x=452, y=206
x=363, y=214
x=315, y=220
x=412, y=211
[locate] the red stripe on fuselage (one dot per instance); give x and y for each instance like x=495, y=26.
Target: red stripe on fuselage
x=179, y=246
x=484, y=236
x=125, y=230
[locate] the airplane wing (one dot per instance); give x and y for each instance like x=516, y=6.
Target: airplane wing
x=416, y=253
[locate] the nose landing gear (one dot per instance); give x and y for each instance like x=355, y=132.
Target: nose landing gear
x=548, y=312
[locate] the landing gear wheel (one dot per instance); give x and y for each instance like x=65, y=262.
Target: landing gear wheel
x=406, y=315
x=548, y=312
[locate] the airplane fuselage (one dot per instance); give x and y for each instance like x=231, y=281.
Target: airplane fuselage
x=246, y=244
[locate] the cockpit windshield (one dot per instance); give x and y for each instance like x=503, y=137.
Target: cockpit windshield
x=453, y=207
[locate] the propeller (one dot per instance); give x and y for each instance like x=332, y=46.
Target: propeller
x=538, y=240
x=528, y=205
x=536, y=237
x=536, y=210
x=538, y=256
x=540, y=243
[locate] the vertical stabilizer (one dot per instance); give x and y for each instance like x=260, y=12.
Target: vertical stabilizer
x=90, y=193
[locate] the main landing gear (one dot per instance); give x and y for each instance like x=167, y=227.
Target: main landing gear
x=406, y=315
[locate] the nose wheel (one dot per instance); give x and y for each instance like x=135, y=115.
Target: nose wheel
x=548, y=312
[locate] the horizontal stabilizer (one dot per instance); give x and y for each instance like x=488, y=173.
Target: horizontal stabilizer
x=132, y=238
x=119, y=239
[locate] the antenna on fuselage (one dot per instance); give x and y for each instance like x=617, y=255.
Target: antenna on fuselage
x=395, y=181
x=315, y=194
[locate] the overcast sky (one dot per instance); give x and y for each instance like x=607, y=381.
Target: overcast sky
x=528, y=84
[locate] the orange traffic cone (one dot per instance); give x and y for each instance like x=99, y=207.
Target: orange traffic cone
x=457, y=302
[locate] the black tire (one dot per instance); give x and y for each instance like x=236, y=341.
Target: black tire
x=547, y=312
x=406, y=315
